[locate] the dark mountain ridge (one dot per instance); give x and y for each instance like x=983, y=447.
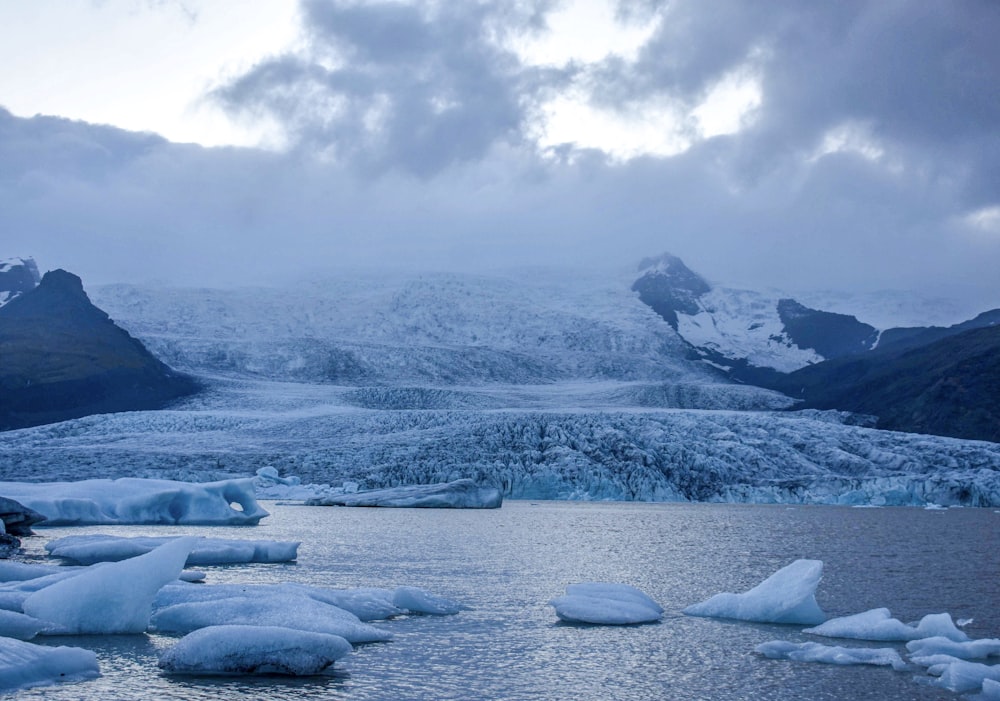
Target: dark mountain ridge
x=61, y=357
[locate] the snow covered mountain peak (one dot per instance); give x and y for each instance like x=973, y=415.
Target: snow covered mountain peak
x=17, y=276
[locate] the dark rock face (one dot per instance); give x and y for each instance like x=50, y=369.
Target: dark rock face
x=17, y=276
x=831, y=335
x=61, y=358
x=904, y=338
x=18, y=518
x=668, y=286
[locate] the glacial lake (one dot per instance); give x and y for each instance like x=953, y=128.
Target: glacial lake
x=506, y=564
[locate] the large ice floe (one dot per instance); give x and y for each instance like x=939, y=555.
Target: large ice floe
x=89, y=549
x=600, y=603
x=110, y=597
x=787, y=596
x=254, y=650
x=24, y=665
x=140, y=501
x=459, y=494
x=878, y=624
x=831, y=654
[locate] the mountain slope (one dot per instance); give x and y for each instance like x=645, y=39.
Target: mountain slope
x=61, y=357
x=949, y=387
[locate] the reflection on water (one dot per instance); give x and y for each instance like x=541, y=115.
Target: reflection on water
x=507, y=563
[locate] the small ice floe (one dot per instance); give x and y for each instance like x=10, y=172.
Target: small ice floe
x=460, y=494
x=140, y=501
x=18, y=625
x=108, y=598
x=417, y=600
x=88, y=549
x=230, y=649
x=24, y=665
x=787, y=596
x=963, y=650
x=21, y=571
x=878, y=624
x=962, y=676
x=600, y=603
x=829, y=654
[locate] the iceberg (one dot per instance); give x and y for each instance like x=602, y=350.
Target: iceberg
x=878, y=624
x=460, y=494
x=24, y=665
x=231, y=649
x=787, y=596
x=20, y=571
x=89, y=549
x=17, y=625
x=961, y=676
x=965, y=650
x=602, y=603
x=829, y=654
x=417, y=600
x=111, y=597
x=140, y=501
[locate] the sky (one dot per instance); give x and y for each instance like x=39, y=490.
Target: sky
x=851, y=146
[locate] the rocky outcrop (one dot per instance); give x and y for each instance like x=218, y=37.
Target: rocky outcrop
x=831, y=335
x=668, y=286
x=61, y=358
x=17, y=276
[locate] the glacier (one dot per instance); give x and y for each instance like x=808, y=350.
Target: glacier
x=460, y=494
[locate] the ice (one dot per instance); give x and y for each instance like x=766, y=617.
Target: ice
x=19, y=571
x=961, y=676
x=88, y=549
x=966, y=650
x=111, y=597
x=878, y=624
x=829, y=654
x=140, y=501
x=17, y=625
x=416, y=600
x=603, y=603
x=991, y=690
x=279, y=607
x=459, y=494
x=231, y=649
x=787, y=596
x=24, y=665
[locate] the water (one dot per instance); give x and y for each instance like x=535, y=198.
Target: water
x=506, y=564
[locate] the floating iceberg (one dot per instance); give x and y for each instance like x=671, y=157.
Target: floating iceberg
x=18, y=625
x=140, y=501
x=416, y=600
x=878, y=624
x=967, y=650
x=253, y=650
x=88, y=549
x=109, y=598
x=20, y=571
x=278, y=608
x=829, y=654
x=24, y=665
x=962, y=676
x=460, y=494
x=787, y=596
x=601, y=603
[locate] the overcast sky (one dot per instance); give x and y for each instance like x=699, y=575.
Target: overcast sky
x=792, y=144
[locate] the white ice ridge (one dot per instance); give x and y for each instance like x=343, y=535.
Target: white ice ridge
x=109, y=598
x=601, y=603
x=88, y=549
x=787, y=596
x=460, y=494
x=24, y=665
x=140, y=501
x=230, y=649
x=829, y=654
x=878, y=624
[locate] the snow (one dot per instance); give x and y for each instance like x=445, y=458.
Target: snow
x=460, y=494
x=814, y=652
x=253, y=650
x=88, y=549
x=111, y=597
x=787, y=596
x=878, y=624
x=601, y=603
x=139, y=501
x=24, y=665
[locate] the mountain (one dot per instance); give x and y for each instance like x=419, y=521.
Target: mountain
x=61, y=357
x=17, y=276
x=948, y=387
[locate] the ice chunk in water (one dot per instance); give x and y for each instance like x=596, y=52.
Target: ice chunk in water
x=829, y=654
x=89, y=549
x=24, y=665
x=787, y=596
x=967, y=650
x=109, y=598
x=416, y=600
x=878, y=624
x=254, y=650
x=17, y=625
x=602, y=603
